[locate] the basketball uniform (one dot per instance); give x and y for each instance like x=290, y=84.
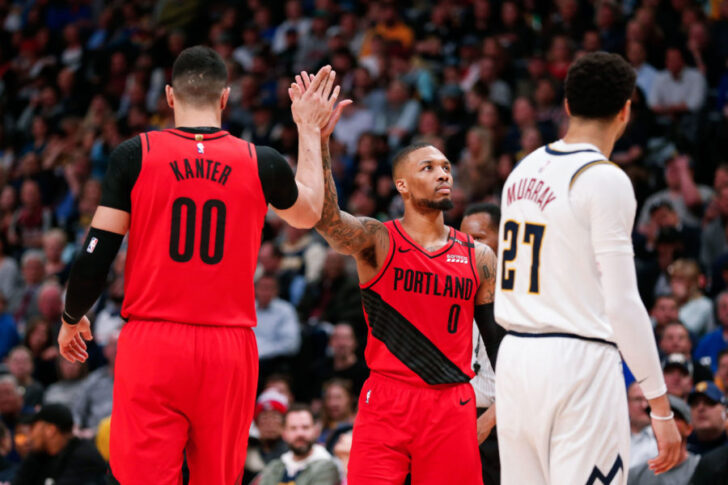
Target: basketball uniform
x=186, y=368
x=417, y=409
x=562, y=410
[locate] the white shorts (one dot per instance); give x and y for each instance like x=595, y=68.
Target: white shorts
x=561, y=412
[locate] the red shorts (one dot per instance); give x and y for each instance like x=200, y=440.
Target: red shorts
x=428, y=432
x=181, y=387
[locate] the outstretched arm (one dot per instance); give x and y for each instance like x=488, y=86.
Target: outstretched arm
x=485, y=260
x=345, y=233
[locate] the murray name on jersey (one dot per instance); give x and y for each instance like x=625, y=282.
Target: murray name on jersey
x=429, y=283
x=530, y=188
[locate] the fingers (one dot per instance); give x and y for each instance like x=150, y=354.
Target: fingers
x=86, y=334
x=338, y=110
x=306, y=81
x=299, y=82
x=294, y=92
x=334, y=96
x=329, y=84
x=666, y=459
x=321, y=76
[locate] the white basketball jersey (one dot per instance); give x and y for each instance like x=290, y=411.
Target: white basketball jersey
x=548, y=279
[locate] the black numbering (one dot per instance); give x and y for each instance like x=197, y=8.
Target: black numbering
x=453, y=318
x=533, y=235
x=185, y=253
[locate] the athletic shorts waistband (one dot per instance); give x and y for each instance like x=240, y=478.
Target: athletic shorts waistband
x=560, y=335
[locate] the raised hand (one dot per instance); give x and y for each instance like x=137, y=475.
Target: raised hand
x=302, y=84
x=314, y=104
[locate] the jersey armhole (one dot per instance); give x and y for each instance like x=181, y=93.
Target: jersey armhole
x=388, y=261
x=586, y=166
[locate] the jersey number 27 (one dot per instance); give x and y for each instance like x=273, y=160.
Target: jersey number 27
x=532, y=235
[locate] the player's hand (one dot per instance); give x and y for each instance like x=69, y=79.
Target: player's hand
x=668, y=446
x=313, y=105
x=72, y=340
x=486, y=423
x=303, y=81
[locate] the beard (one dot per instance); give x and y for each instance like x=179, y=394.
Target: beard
x=433, y=205
x=301, y=447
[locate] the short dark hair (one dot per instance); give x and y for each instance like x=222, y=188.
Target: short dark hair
x=598, y=85
x=402, y=155
x=199, y=76
x=485, y=208
x=298, y=407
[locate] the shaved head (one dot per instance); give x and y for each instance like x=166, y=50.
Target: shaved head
x=403, y=155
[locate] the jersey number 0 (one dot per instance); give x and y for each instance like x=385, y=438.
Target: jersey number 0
x=184, y=253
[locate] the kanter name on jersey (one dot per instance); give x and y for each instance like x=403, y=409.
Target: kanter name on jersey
x=200, y=168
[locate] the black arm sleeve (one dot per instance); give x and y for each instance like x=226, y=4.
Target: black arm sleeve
x=89, y=272
x=125, y=163
x=492, y=332
x=276, y=177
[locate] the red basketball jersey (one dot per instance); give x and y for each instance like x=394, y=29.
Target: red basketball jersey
x=419, y=310
x=196, y=221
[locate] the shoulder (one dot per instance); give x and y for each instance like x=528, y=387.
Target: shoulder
x=130, y=146
x=602, y=176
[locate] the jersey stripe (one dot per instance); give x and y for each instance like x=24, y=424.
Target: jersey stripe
x=551, y=151
x=408, y=344
x=586, y=166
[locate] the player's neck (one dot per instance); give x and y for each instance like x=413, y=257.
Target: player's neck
x=426, y=228
x=601, y=135
x=189, y=117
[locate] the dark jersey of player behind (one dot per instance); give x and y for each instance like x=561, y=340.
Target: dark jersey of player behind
x=197, y=199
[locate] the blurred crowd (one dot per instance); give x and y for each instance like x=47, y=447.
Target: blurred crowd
x=482, y=80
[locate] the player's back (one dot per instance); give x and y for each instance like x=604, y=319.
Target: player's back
x=197, y=211
x=548, y=279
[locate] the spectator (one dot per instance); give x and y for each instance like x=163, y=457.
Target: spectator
x=642, y=442
x=664, y=311
x=7, y=468
x=663, y=216
x=54, y=243
x=721, y=375
x=12, y=409
x=20, y=365
x=9, y=336
x=342, y=452
x=294, y=20
x=356, y=120
x=40, y=340
x=278, y=332
x=270, y=410
x=25, y=304
x=714, y=242
x=307, y=463
x=398, y=119
x=341, y=362
x=335, y=296
x=59, y=457
x=678, y=376
x=338, y=411
x=677, y=89
x=696, y=310
x=31, y=219
x=108, y=320
x=713, y=343
x=676, y=340
x=9, y=274
x=646, y=73
x=712, y=468
x=683, y=470
x=67, y=390
x=303, y=259
x=707, y=405
x=96, y=395
x=686, y=197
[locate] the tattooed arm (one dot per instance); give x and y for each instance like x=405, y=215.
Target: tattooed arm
x=492, y=333
x=362, y=237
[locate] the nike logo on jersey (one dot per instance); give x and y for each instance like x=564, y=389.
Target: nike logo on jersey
x=402, y=250
x=530, y=189
x=463, y=403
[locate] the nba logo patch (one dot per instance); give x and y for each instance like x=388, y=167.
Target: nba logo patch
x=200, y=148
x=92, y=245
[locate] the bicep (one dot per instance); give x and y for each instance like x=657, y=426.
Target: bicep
x=124, y=166
x=112, y=220
x=485, y=261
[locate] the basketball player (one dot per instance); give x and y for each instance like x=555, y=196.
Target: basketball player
x=420, y=284
x=481, y=222
x=193, y=199
x=566, y=292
